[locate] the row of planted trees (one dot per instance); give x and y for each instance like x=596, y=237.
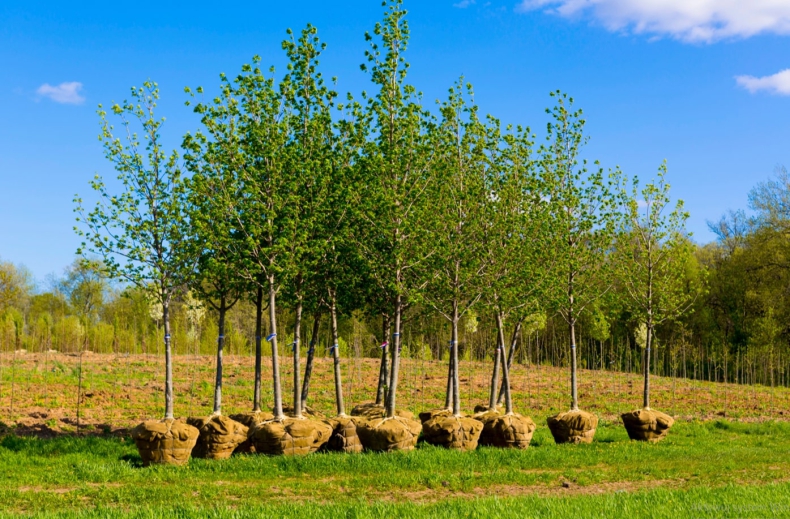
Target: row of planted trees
x=331, y=206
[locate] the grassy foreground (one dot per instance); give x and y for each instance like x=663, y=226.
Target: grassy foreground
x=703, y=469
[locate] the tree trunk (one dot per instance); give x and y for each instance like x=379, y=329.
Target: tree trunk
x=448, y=399
x=256, y=396
x=574, y=391
x=505, y=368
x=168, y=363
x=456, y=378
x=308, y=369
x=381, y=391
x=396, y=342
x=220, y=345
x=341, y=409
x=297, y=367
x=510, y=354
x=278, y=396
x=648, y=342
x=492, y=395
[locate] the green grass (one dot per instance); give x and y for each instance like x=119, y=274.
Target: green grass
x=710, y=469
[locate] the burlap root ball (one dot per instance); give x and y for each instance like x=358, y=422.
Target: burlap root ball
x=371, y=411
x=344, y=436
x=165, y=441
x=290, y=436
x=509, y=430
x=250, y=419
x=485, y=415
x=288, y=410
x=389, y=434
x=219, y=436
x=434, y=413
x=483, y=408
x=647, y=424
x=454, y=432
x=573, y=426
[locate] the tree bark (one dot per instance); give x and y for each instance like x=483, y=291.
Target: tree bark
x=510, y=355
x=341, y=408
x=297, y=367
x=505, y=367
x=256, y=396
x=220, y=345
x=492, y=395
x=168, y=362
x=381, y=391
x=456, y=378
x=396, y=342
x=648, y=343
x=308, y=369
x=278, y=396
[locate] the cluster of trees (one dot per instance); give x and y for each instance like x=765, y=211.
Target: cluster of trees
x=291, y=202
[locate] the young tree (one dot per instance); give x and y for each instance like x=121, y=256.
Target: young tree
x=142, y=236
x=654, y=250
x=457, y=222
x=396, y=164
x=586, y=205
x=141, y=233
x=520, y=239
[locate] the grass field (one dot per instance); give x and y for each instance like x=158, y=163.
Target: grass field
x=710, y=469
x=709, y=466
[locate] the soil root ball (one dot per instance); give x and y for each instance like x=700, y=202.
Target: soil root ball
x=219, y=436
x=344, y=434
x=647, y=424
x=510, y=431
x=453, y=432
x=165, y=441
x=288, y=410
x=371, y=411
x=573, y=426
x=250, y=419
x=290, y=436
x=434, y=413
x=389, y=434
x=486, y=416
x=483, y=408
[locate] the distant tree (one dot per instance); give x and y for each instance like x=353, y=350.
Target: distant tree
x=16, y=286
x=140, y=232
x=85, y=285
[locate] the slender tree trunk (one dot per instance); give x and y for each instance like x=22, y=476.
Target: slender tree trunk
x=510, y=354
x=456, y=378
x=341, y=409
x=381, y=391
x=168, y=362
x=505, y=367
x=648, y=342
x=278, y=396
x=448, y=399
x=220, y=346
x=574, y=391
x=308, y=369
x=396, y=342
x=296, y=352
x=492, y=394
x=256, y=396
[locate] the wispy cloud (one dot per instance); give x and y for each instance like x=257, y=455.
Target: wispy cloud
x=698, y=21
x=778, y=83
x=65, y=93
x=463, y=4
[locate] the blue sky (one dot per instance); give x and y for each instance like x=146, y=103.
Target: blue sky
x=703, y=84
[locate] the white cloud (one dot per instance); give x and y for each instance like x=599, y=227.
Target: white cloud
x=65, y=93
x=463, y=4
x=778, y=83
x=687, y=20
